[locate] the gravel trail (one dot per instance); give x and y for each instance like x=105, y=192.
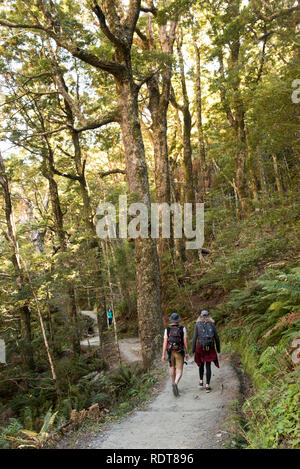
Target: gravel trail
x=194, y=419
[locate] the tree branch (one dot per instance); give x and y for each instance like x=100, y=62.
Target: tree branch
x=43, y=134
x=73, y=177
x=226, y=177
x=74, y=109
x=223, y=92
x=61, y=84
x=173, y=100
x=260, y=71
x=103, y=25
x=133, y=15
x=112, y=171
x=141, y=35
x=284, y=12
x=111, y=67
x=108, y=118
x=150, y=9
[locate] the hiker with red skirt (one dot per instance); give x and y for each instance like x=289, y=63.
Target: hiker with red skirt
x=176, y=345
x=205, y=343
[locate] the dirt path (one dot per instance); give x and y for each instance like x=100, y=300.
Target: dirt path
x=130, y=348
x=193, y=420
x=91, y=341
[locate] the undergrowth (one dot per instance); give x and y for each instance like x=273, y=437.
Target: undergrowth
x=260, y=322
x=116, y=392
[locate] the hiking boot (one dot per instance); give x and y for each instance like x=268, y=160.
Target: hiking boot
x=207, y=388
x=175, y=389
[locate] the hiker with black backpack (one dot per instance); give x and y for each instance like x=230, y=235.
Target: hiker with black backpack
x=205, y=343
x=176, y=345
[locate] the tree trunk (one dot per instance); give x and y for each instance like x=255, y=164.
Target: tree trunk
x=112, y=303
x=94, y=241
x=198, y=96
x=72, y=315
x=27, y=350
x=235, y=111
x=187, y=128
x=122, y=277
x=254, y=188
x=147, y=268
x=100, y=323
x=27, y=216
x=262, y=178
x=48, y=166
x=158, y=106
x=50, y=325
x=240, y=161
x=159, y=127
x=178, y=242
x=277, y=177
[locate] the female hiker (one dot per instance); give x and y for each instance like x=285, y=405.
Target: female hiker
x=205, y=340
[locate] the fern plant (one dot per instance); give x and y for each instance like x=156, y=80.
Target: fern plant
x=32, y=439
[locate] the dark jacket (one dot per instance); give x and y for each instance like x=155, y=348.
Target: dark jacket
x=197, y=334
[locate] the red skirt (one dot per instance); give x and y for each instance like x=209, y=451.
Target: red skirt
x=202, y=356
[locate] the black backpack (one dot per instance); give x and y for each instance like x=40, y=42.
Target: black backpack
x=206, y=335
x=175, y=339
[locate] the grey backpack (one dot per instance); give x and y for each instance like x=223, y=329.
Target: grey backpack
x=206, y=335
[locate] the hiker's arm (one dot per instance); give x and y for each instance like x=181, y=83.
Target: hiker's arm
x=186, y=345
x=217, y=340
x=194, y=339
x=163, y=357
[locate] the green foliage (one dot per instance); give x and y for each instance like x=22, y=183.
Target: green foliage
x=126, y=378
x=273, y=416
x=10, y=431
x=20, y=437
x=263, y=322
x=119, y=390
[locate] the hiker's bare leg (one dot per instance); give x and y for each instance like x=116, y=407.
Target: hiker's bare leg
x=178, y=376
x=178, y=366
x=172, y=373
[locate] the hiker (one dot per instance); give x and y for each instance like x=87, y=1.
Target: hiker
x=176, y=345
x=109, y=316
x=205, y=343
